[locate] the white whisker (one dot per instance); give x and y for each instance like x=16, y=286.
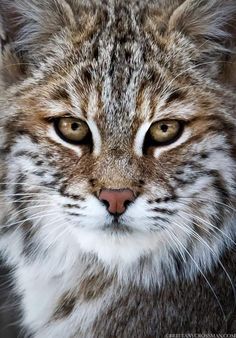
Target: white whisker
x=201, y=272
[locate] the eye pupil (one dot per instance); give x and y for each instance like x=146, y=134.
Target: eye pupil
x=74, y=126
x=163, y=133
x=72, y=130
x=164, y=128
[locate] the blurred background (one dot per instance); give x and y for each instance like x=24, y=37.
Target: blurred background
x=9, y=315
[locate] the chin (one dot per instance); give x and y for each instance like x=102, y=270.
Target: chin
x=117, y=244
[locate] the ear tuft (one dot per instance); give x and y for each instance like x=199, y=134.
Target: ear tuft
x=211, y=25
x=203, y=18
x=28, y=26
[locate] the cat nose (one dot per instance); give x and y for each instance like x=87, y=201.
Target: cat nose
x=116, y=200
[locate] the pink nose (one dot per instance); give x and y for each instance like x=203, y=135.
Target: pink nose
x=116, y=200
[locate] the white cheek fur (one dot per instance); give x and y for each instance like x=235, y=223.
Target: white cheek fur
x=139, y=139
x=97, y=142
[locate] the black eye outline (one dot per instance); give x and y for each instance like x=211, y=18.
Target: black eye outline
x=149, y=142
x=87, y=140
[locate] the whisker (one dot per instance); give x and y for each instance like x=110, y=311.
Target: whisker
x=30, y=207
x=57, y=238
x=201, y=272
x=34, y=225
x=22, y=201
x=213, y=226
x=209, y=200
x=176, y=244
x=201, y=240
x=31, y=185
x=28, y=219
x=48, y=225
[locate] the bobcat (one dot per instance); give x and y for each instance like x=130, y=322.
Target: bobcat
x=117, y=160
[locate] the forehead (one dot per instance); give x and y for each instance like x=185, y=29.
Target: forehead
x=115, y=67
x=113, y=59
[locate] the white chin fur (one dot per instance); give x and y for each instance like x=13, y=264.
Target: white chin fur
x=114, y=246
x=118, y=248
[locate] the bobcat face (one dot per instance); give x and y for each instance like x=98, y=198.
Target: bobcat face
x=118, y=139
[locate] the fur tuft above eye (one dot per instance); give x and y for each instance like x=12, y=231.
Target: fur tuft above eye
x=72, y=130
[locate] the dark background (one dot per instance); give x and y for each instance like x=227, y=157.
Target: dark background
x=9, y=313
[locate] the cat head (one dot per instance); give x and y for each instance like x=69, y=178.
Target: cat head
x=118, y=128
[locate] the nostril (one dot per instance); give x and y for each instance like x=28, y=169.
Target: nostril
x=106, y=203
x=116, y=200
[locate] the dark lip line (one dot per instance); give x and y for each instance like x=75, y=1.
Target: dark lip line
x=116, y=226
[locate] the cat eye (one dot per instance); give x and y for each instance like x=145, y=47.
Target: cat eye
x=165, y=131
x=162, y=133
x=72, y=130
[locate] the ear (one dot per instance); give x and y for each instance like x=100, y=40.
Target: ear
x=211, y=25
x=27, y=27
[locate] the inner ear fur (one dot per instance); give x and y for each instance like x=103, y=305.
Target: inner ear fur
x=211, y=25
x=27, y=27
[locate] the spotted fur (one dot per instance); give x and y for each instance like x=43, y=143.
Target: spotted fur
x=169, y=266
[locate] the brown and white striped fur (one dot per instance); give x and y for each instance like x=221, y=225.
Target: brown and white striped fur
x=168, y=265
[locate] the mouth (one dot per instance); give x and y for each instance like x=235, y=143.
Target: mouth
x=116, y=226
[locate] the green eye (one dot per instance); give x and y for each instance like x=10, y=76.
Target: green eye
x=165, y=131
x=72, y=130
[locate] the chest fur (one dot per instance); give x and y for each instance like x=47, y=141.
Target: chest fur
x=98, y=306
